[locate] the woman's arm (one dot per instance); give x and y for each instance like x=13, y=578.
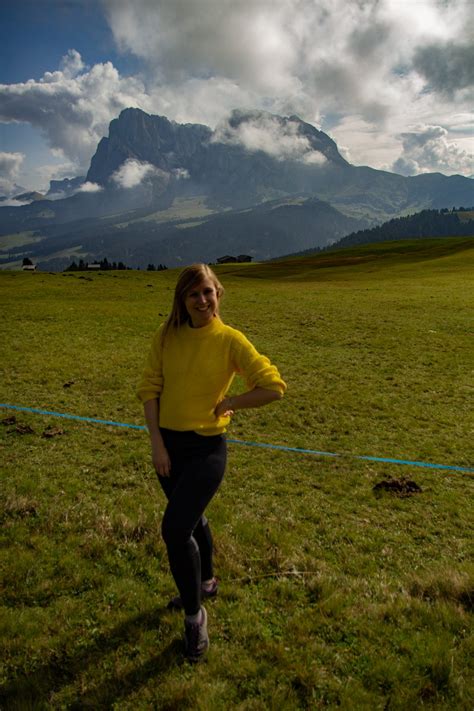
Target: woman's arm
x=253, y=398
x=159, y=453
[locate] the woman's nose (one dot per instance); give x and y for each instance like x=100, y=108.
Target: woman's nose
x=201, y=298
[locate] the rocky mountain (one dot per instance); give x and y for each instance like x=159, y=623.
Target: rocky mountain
x=256, y=156
x=261, y=184
x=64, y=188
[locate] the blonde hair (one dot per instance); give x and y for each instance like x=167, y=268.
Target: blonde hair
x=189, y=278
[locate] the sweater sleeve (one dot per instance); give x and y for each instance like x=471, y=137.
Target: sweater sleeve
x=151, y=383
x=255, y=368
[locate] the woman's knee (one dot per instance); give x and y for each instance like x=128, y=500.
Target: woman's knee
x=173, y=533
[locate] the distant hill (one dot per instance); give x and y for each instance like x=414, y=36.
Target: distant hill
x=375, y=256
x=422, y=225
x=25, y=197
x=138, y=238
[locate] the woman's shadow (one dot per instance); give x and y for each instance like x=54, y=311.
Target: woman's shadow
x=33, y=690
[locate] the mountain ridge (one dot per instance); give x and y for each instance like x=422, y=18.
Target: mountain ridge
x=148, y=168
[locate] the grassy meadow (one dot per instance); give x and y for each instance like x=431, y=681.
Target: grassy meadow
x=332, y=594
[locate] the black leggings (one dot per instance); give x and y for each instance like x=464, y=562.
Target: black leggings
x=197, y=469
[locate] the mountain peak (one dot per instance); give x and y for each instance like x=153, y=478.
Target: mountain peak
x=245, y=136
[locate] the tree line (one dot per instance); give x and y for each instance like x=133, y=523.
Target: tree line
x=424, y=224
x=105, y=265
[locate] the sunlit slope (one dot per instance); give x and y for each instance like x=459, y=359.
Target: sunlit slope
x=354, y=262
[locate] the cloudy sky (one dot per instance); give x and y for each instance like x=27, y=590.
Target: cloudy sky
x=391, y=81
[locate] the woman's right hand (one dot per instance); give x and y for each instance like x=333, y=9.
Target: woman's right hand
x=161, y=460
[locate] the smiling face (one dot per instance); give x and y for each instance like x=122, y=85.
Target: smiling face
x=201, y=303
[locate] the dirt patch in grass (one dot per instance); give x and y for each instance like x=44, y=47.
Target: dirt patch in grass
x=400, y=487
x=51, y=431
x=21, y=429
x=8, y=421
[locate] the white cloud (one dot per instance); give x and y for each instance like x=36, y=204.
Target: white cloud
x=331, y=62
x=89, y=188
x=426, y=150
x=267, y=133
x=72, y=107
x=43, y=174
x=71, y=64
x=343, y=51
x=10, y=164
x=133, y=172
x=181, y=174
x=363, y=71
x=11, y=202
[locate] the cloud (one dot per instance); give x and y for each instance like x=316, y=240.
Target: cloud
x=447, y=68
x=72, y=107
x=333, y=63
x=10, y=164
x=426, y=150
x=133, y=172
x=263, y=132
x=11, y=202
x=311, y=54
x=181, y=173
x=379, y=65
x=89, y=187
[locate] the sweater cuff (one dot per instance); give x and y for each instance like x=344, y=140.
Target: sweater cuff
x=146, y=396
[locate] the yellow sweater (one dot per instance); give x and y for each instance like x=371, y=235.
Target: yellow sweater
x=193, y=370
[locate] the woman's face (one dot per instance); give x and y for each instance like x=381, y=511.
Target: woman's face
x=201, y=303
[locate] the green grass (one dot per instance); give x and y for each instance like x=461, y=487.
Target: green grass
x=331, y=596
x=182, y=209
x=18, y=239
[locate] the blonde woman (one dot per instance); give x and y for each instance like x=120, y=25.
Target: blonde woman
x=192, y=362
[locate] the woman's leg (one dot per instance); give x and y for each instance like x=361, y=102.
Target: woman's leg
x=203, y=537
x=201, y=534
x=200, y=473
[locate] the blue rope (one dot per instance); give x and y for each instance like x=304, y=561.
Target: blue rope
x=262, y=445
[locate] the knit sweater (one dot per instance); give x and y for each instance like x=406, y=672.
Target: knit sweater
x=193, y=369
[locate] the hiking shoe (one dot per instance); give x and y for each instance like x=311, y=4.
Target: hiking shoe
x=196, y=639
x=177, y=604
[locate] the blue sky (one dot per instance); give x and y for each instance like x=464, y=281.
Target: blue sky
x=389, y=80
x=34, y=36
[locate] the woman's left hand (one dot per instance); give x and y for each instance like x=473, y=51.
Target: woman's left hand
x=224, y=408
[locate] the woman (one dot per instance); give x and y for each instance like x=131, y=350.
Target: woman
x=192, y=362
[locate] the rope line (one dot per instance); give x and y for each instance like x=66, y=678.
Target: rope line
x=263, y=445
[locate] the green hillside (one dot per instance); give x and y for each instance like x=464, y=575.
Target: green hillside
x=360, y=260
x=333, y=594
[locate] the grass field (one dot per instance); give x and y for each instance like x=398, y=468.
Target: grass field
x=333, y=595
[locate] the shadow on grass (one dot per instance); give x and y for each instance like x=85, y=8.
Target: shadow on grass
x=35, y=689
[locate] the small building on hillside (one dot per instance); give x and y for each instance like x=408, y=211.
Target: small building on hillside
x=29, y=267
x=93, y=267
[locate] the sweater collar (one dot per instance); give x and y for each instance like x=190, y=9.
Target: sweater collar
x=204, y=331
